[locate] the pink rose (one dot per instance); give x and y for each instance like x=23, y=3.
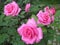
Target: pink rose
x=27, y=7
x=11, y=9
x=50, y=10
x=30, y=33
x=44, y=18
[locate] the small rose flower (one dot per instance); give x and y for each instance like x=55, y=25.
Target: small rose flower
x=44, y=18
x=12, y=9
x=50, y=10
x=27, y=7
x=46, y=9
x=30, y=33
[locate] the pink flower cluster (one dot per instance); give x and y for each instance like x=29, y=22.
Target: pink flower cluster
x=30, y=32
x=47, y=16
x=12, y=9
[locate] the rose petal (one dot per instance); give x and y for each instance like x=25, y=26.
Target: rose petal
x=40, y=35
x=32, y=22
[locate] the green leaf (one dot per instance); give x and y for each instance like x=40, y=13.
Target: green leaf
x=23, y=12
x=17, y=40
x=1, y=19
x=26, y=1
x=7, y=1
x=44, y=30
x=34, y=9
x=3, y=37
x=18, y=43
x=20, y=2
x=50, y=33
x=9, y=30
x=33, y=16
x=58, y=38
x=9, y=21
x=42, y=42
x=40, y=25
x=57, y=13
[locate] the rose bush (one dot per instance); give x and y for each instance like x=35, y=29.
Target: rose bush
x=29, y=22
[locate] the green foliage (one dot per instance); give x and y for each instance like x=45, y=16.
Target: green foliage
x=58, y=38
x=3, y=37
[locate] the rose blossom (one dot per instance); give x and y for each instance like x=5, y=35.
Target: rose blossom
x=30, y=33
x=12, y=9
x=27, y=7
x=50, y=10
x=44, y=18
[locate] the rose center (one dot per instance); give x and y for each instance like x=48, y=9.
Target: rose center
x=9, y=9
x=29, y=32
x=45, y=19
